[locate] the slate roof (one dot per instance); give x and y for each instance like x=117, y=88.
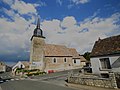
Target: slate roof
x=107, y=46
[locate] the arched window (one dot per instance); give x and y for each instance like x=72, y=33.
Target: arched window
x=65, y=60
x=54, y=60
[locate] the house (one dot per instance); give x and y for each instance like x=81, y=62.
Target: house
x=2, y=67
x=46, y=57
x=20, y=65
x=105, y=55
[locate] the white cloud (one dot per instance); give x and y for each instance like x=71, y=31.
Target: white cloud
x=15, y=35
x=80, y=1
x=59, y=2
x=80, y=36
x=16, y=30
x=9, y=2
x=68, y=22
x=39, y=4
x=77, y=3
x=23, y=8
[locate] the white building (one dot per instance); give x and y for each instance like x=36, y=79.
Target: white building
x=105, y=55
x=20, y=64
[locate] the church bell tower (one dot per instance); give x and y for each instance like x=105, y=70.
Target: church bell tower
x=37, y=48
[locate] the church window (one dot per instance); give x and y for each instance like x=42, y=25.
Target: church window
x=65, y=60
x=54, y=60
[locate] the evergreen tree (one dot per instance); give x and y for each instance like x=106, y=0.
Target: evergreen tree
x=87, y=56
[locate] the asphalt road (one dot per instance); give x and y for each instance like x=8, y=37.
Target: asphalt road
x=55, y=75
x=53, y=81
x=31, y=85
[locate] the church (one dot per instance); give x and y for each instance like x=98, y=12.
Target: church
x=46, y=57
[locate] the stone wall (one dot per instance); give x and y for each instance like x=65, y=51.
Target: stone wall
x=60, y=65
x=37, y=53
x=94, y=81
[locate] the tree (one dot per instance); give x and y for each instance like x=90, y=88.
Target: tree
x=87, y=56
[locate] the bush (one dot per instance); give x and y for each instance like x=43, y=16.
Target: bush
x=34, y=70
x=26, y=70
x=35, y=73
x=30, y=74
x=38, y=73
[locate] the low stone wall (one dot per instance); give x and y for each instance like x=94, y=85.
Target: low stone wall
x=94, y=81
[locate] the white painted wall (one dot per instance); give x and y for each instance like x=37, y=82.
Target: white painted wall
x=113, y=59
x=77, y=62
x=18, y=65
x=96, y=64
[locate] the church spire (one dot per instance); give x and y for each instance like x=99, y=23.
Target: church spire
x=38, y=31
x=38, y=23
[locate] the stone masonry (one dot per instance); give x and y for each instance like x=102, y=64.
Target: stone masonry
x=37, y=53
x=94, y=81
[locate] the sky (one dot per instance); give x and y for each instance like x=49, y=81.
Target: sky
x=73, y=23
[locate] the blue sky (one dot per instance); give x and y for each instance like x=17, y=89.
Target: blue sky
x=73, y=23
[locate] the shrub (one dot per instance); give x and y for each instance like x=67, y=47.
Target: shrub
x=38, y=73
x=30, y=74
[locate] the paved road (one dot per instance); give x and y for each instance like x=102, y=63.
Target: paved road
x=55, y=78
x=53, y=81
x=55, y=75
x=31, y=85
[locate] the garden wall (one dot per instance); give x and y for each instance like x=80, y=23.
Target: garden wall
x=92, y=81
